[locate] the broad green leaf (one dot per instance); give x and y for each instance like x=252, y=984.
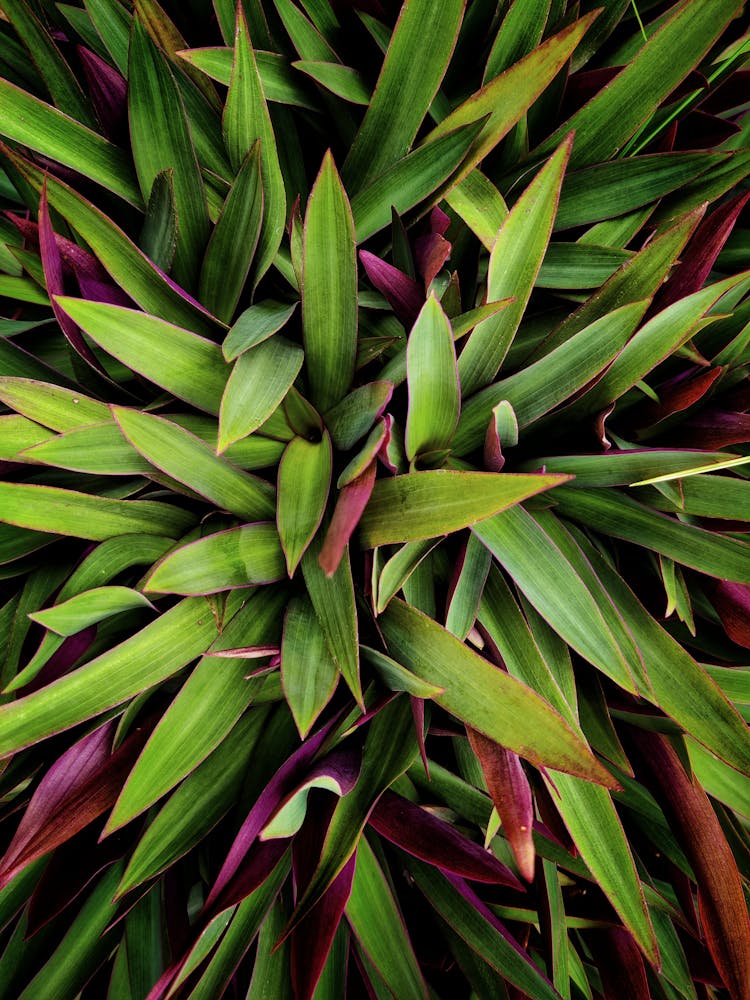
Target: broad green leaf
x=334, y=602
x=22, y=289
x=158, y=238
x=18, y=434
x=54, y=71
x=343, y=81
x=88, y=608
x=593, y=823
x=708, y=484
x=719, y=780
x=535, y=390
x=355, y=415
x=201, y=715
x=413, y=179
x=708, y=496
x=255, y=325
x=200, y=801
x=308, y=672
x=397, y=570
x=165, y=354
x=376, y=921
x=499, y=950
x=246, y=120
x=610, y=189
x=303, y=484
x=389, y=749
x=523, y=548
x=98, y=449
x=129, y=267
x=46, y=130
x=506, y=98
x=485, y=697
x=579, y=266
x=610, y=118
x=161, y=140
x=391, y=123
x=434, y=395
x=82, y=515
x=329, y=296
x=622, y=517
x=515, y=261
x=146, y=658
x=425, y=504
x=260, y=379
x=239, y=557
x=398, y=678
x=480, y=205
x=623, y=468
x=85, y=945
x=189, y=460
x=232, y=245
x=278, y=81
x=520, y=32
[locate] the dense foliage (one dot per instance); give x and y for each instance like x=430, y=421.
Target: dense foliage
x=374, y=584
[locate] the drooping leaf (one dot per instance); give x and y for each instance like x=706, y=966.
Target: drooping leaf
x=88, y=608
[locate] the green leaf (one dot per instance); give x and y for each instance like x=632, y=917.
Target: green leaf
x=189, y=460
x=398, y=678
x=159, y=234
x=67, y=512
x=129, y=267
x=329, y=297
x=146, y=658
x=425, y=504
x=161, y=352
x=536, y=389
x=592, y=821
x=355, y=415
x=480, y=205
x=376, y=921
x=434, y=395
x=577, y=266
x=232, y=245
x=343, y=81
x=308, y=672
x=497, y=949
x=88, y=608
x=246, y=120
x=239, y=557
x=335, y=605
x=255, y=325
x=40, y=127
x=201, y=715
x=528, y=553
x=607, y=190
x=396, y=572
x=610, y=118
x=278, y=82
x=18, y=434
x=464, y=599
x=623, y=468
x=515, y=261
x=303, y=484
x=260, y=379
x=622, y=517
x=391, y=123
x=161, y=140
x=200, y=801
x=412, y=180
x=98, y=449
x=485, y=697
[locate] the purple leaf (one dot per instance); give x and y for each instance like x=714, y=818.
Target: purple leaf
x=108, y=91
x=432, y=251
x=511, y=794
x=700, y=130
x=403, y=293
x=494, y=460
x=701, y=253
x=732, y=602
x=439, y=221
x=422, y=834
x=53, y=277
x=350, y=506
x=620, y=964
x=78, y=788
x=715, y=429
x=676, y=395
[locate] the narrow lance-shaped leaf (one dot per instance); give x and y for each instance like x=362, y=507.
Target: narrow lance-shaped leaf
x=434, y=395
x=308, y=671
x=146, y=658
x=245, y=121
x=260, y=379
x=232, y=245
x=514, y=265
x=329, y=296
x=484, y=697
x=303, y=484
x=161, y=140
x=88, y=608
x=426, y=504
x=391, y=123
